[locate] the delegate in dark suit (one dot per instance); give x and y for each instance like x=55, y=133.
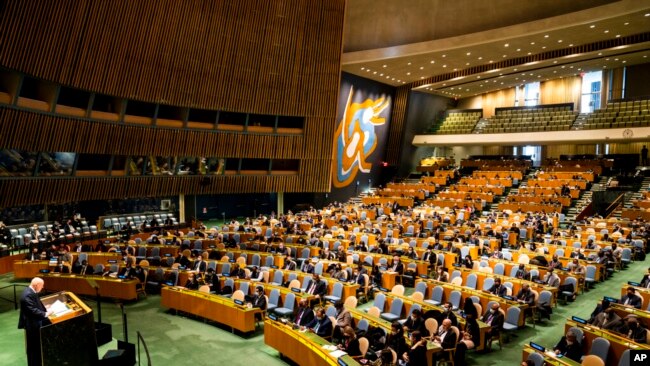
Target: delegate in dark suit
x=322, y=327
x=33, y=316
x=632, y=300
x=495, y=320
x=305, y=316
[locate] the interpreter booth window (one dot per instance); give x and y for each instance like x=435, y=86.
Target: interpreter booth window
x=56, y=164
x=17, y=163
x=591, y=85
x=159, y=165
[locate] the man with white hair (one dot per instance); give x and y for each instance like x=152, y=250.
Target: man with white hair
x=33, y=316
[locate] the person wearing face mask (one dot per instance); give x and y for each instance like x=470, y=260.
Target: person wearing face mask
x=395, y=339
x=569, y=347
x=631, y=299
x=343, y=320
x=495, y=319
x=467, y=262
x=321, y=325
x=414, y=322
x=497, y=288
x=468, y=336
x=350, y=342
x=607, y=319
x=304, y=315
x=635, y=331
x=417, y=354
x=447, y=313
x=441, y=275
x=259, y=301
x=446, y=337
x=522, y=273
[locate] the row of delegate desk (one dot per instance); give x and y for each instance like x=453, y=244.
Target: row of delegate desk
x=483, y=296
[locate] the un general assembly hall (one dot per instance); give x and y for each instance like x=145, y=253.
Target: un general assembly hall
x=324, y=182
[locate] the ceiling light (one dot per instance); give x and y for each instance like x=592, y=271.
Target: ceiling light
x=571, y=45
x=491, y=61
x=571, y=67
x=421, y=77
x=532, y=43
x=374, y=72
x=543, y=47
x=480, y=58
x=444, y=84
x=421, y=67
x=409, y=64
x=592, y=26
x=367, y=70
x=469, y=53
x=606, y=31
x=399, y=81
x=467, y=63
x=433, y=62
x=563, y=66
x=624, y=61
x=515, y=69
x=393, y=79
x=530, y=53
x=647, y=15
x=381, y=74
x=363, y=68
x=455, y=69
x=555, y=62
x=555, y=72
x=383, y=66
x=618, y=36
x=546, y=36
x=615, y=59
x=505, y=56
x=600, y=53
x=444, y=65
x=408, y=73
x=466, y=89
x=444, y=55
x=518, y=49
x=502, y=83
x=506, y=45
x=626, y=23
x=559, y=41
x=387, y=77
x=478, y=77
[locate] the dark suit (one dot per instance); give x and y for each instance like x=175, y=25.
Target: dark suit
x=449, y=340
x=499, y=290
x=632, y=300
x=418, y=355
x=352, y=347
x=32, y=318
x=319, y=289
x=304, y=316
x=200, y=266
x=572, y=351
x=127, y=272
x=324, y=326
x=495, y=320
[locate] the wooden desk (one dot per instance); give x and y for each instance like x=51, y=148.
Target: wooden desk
x=496, y=190
x=374, y=321
x=557, y=183
x=29, y=269
x=549, y=358
x=212, y=307
x=515, y=174
x=484, y=297
x=617, y=343
x=517, y=283
x=303, y=348
x=644, y=292
x=425, y=306
x=529, y=207
x=545, y=191
x=349, y=289
x=401, y=201
x=108, y=287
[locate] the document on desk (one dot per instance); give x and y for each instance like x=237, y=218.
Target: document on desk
x=338, y=353
x=59, y=308
x=330, y=347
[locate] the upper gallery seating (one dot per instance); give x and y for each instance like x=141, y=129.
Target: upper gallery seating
x=530, y=119
x=619, y=115
x=459, y=122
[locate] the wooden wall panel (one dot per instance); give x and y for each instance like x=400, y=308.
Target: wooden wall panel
x=564, y=90
x=270, y=57
x=16, y=192
x=36, y=131
x=497, y=99
x=397, y=122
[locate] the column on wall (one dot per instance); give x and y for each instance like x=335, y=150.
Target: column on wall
x=616, y=83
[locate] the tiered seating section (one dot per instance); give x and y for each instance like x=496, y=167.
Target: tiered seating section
x=531, y=119
x=459, y=122
x=620, y=115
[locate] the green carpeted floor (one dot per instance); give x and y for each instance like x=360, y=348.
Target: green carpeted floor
x=177, y=340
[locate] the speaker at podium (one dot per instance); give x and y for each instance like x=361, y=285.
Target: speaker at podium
x=70, y=339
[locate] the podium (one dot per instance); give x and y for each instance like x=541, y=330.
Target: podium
x=70, y=339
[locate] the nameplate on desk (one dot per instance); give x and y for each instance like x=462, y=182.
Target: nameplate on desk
x=341, y=362
x=121, y=277
x=383, y=289
x=273, y=317
x=578, y=320
x=456, y=265
x=610, y=299
x=632, y=283
x=295, y=289
x=182, y=267
x=274, y=267
x=424, y=276
x=226, y=274
x=538, y=347
x=212, y=246
x=333, y=301
x=44, y=271
x=168, y=255
x=508, y=297
x=211, y=237
x=239, y=302
x=232, y=261
x=169, y=283
x=112, y=261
